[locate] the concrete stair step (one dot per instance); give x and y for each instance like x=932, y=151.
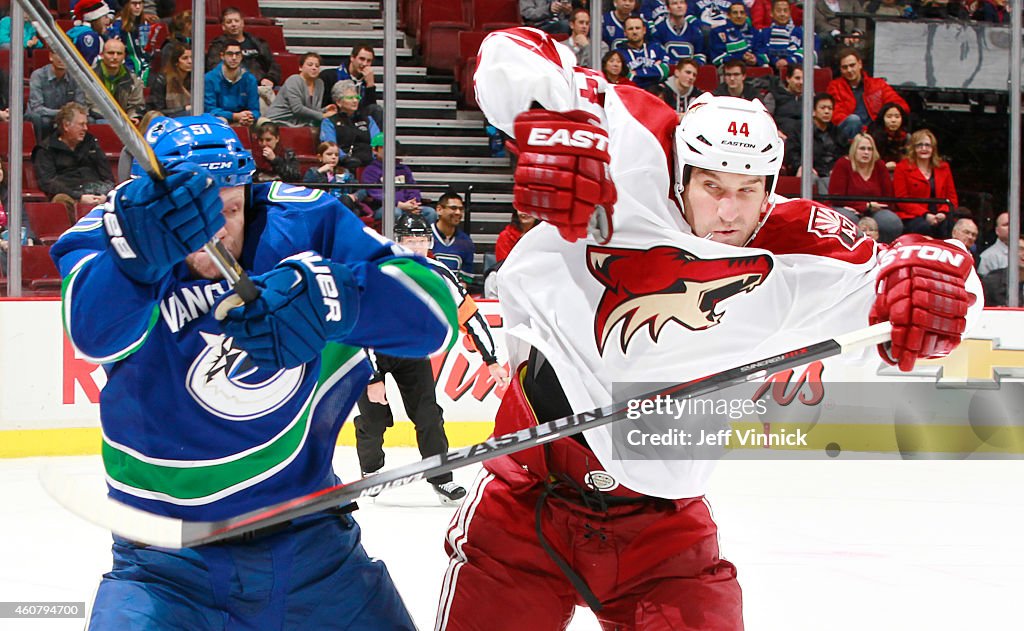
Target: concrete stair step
x=454, y=161
x=330, y=24
x=435, y=124
x=321, y=8
x=450, y=177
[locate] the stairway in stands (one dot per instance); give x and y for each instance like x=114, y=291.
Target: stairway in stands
x=442, y=144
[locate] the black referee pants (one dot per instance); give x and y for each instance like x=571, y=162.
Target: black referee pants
x=415, y=381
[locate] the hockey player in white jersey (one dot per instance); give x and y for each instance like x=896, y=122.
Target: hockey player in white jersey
x=705, y=269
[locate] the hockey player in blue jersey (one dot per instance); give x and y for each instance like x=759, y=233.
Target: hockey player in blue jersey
x=203, y=419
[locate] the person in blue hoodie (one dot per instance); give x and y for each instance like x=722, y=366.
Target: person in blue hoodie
x=231, y=92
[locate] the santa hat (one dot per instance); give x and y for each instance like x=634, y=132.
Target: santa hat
x=89, y=10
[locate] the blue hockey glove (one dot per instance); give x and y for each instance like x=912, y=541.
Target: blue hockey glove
x=155, y=225
x=305, y=301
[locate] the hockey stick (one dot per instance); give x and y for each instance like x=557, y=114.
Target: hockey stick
x=84, y=76
x=157, y=530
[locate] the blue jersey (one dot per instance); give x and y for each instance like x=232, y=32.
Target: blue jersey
x=732, y=42
x=87, y=41
x=613, y=31
x=653, y=12
x=191, y=428
x=456, y=253
x=710, y=13
x=687, y=41
x=780, y=42
x=648, y=65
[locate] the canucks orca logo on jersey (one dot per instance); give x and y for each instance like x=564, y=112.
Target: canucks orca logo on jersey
x=221, y=381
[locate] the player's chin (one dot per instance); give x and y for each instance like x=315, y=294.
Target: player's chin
x=201, y=265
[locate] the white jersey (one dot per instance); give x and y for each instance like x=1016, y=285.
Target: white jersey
x=656, y=303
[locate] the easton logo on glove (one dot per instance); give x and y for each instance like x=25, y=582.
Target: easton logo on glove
x=579, y=138
x=943, y=254
x=324, y=280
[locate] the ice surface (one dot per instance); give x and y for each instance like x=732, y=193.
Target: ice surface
x=832, y=546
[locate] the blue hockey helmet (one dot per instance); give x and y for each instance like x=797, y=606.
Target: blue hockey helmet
x=204, y=140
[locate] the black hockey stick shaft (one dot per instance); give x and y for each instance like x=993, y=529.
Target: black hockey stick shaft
x=198, y=533
x=136, y=145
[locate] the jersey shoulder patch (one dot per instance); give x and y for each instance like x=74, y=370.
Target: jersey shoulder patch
x=800, y=226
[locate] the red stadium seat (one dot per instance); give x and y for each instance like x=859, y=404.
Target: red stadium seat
x=469, y=44
x=487, y=13
x=30, y=191
x=38, y=271
x=28, y=140
x=108, y=139
x=48, y=220
x=289, y=63
x=822, y=77
x=301, y=140
x=440, y=24
x=243, y=135
x=758, y=71
x=788, y=186
x=707, y=78
x=250, y=11
x=274, y=36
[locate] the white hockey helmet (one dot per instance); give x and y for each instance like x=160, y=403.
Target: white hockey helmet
x=725, y=133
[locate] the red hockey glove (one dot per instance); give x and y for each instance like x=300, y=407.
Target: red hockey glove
x=921, y=291
x=562, y=173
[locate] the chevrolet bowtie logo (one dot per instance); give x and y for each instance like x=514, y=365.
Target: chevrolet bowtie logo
x=977, y=362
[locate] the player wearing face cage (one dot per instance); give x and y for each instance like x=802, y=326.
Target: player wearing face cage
x=415, y=377
x=204, y=419
x=694, y=216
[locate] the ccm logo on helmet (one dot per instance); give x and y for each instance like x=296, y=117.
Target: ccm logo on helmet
x=581, y=138
x=214, y=166
x=926, y=252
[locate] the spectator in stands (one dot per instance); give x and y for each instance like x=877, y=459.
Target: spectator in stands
x=679, y=34
x=359, y=70
x=788, y=97
x=613, y=66
x=993, y=11
x=887, y=8
x=996, y=283
x=257, y=57
x=889, y=130
x=734, y=81
x=781, y=43
x=966, y=231
x=579, y=38
x=997, y=255
x=126, y=88
x=179, y=33
x=350, y=128
x=407, y=200
x=70, y=166
x=922, y=173
x=613, y=26
x=153, y=10
x=92, y=19
x=862, y=173
x=30, y=38
x=139, y=37
x=330, y=172
x=520, y=224
x=452, y=246
x=711, y=13
x=230, y=90
x=829, y=144
x=761, y=13
x=858, y=96
x=869, y=227
x=298, y=102
x=735, y=40
x=49, y=89
x=647, y=63
x=550, y=16
x=941, y=10
x=170, y=91
x=274, y=162
x=837, y=34
x=652, y=11
x=680, y=90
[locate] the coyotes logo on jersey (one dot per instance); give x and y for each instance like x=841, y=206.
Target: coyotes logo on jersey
x=826, y=222
x=655, y=286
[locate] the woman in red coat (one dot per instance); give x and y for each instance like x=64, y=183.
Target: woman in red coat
x=862, y=173
x=513, y=232
x=924, y=174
